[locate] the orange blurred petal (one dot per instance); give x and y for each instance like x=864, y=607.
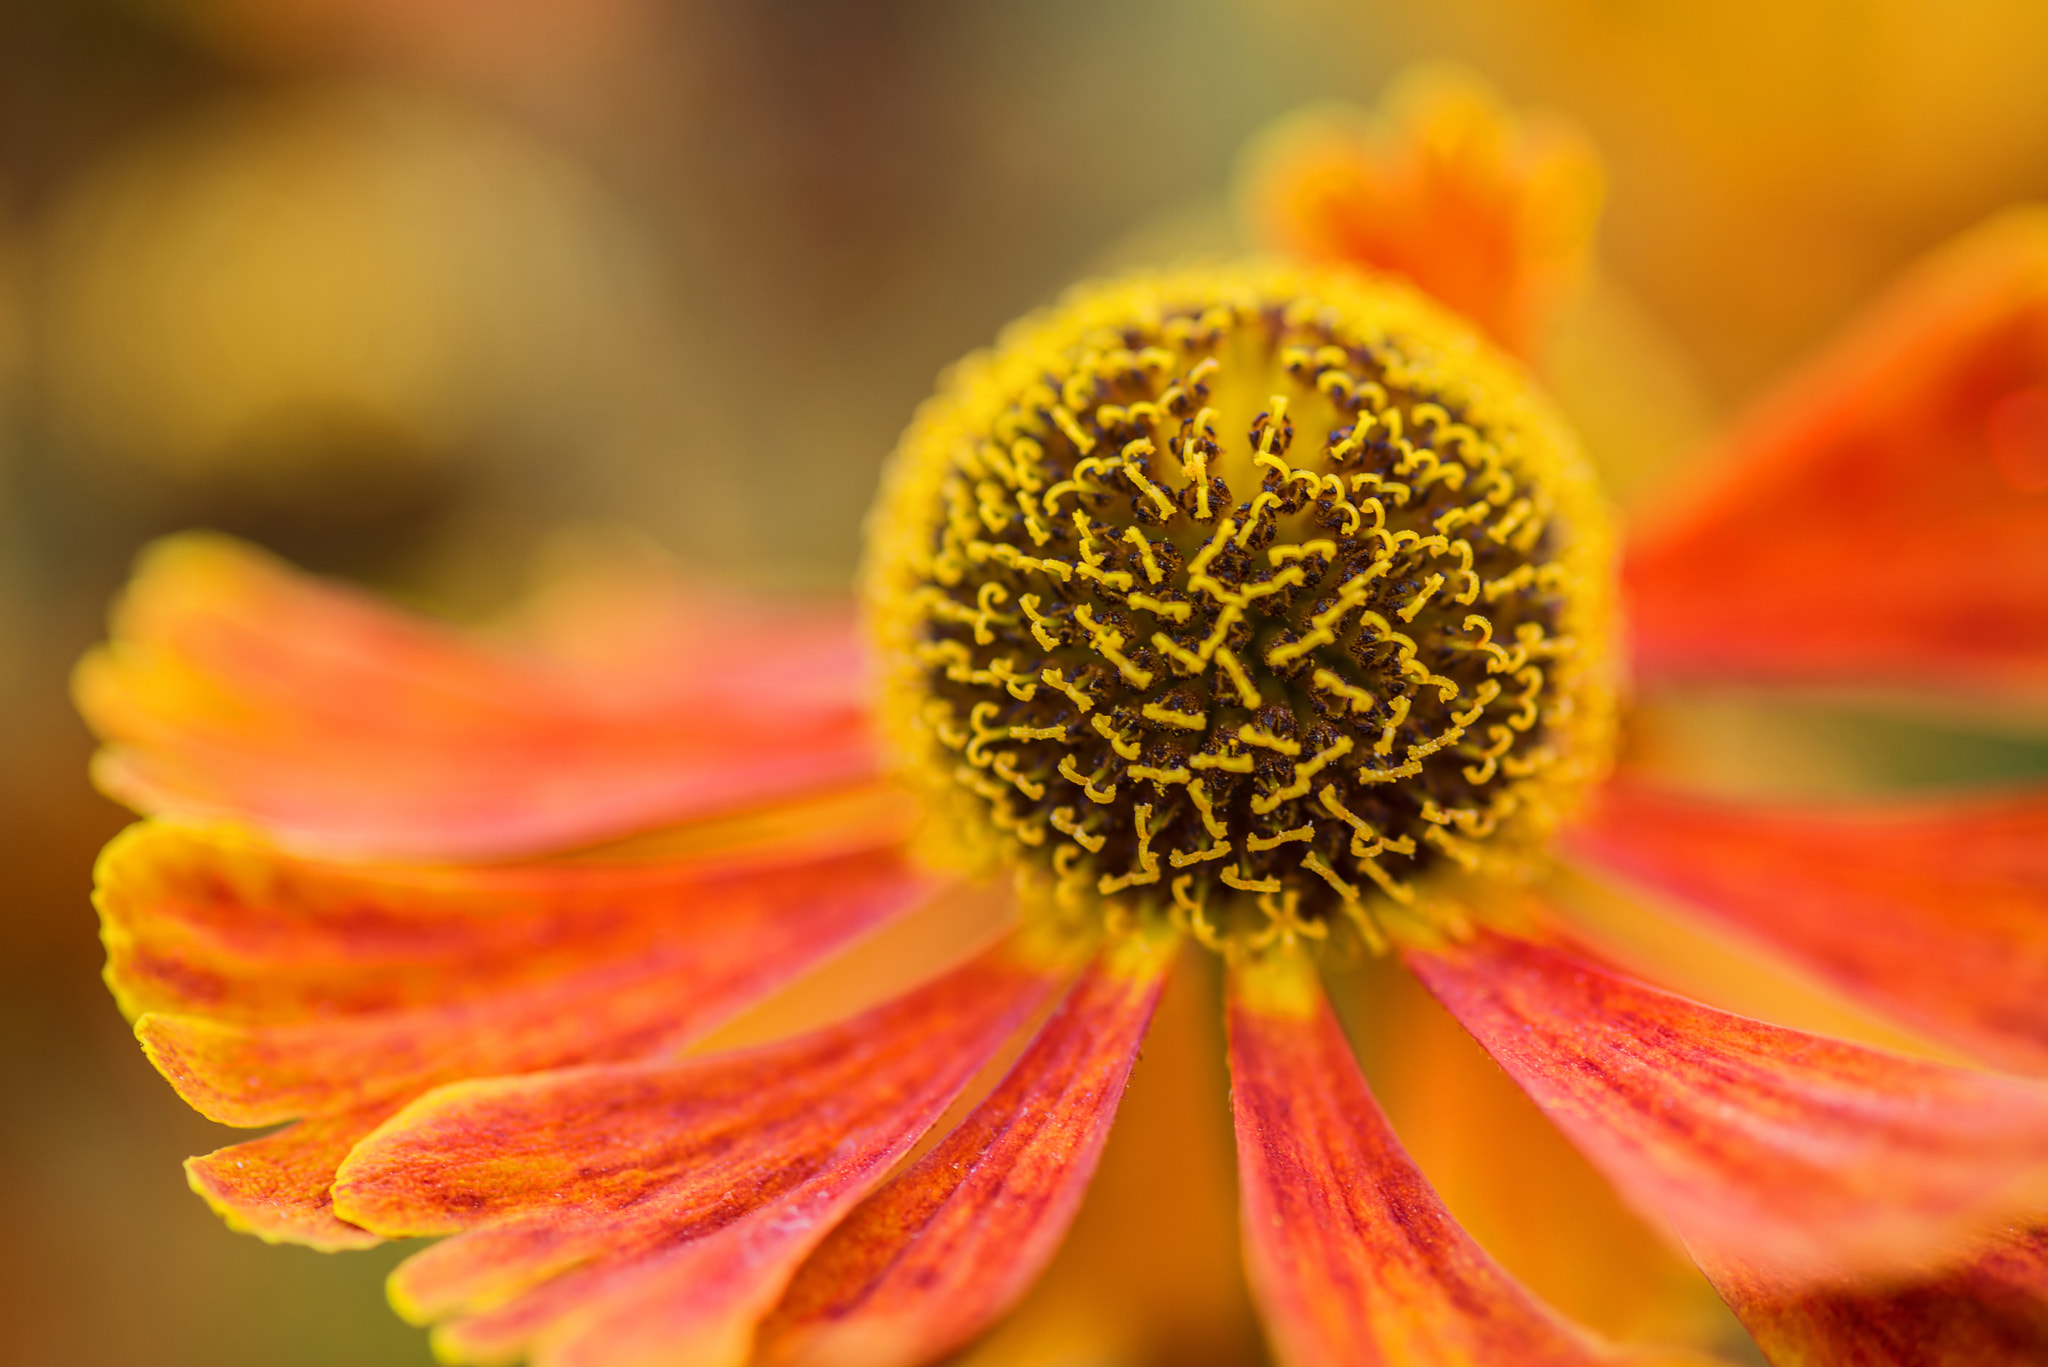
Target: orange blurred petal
x=273, y=987
x=951, y=1245
x=1802, y=1156
x=1353, y=1258
x=654, y=1212
x=236, y=688
x=1936, y=913
x=1491, y=214
x=1882, y=517
x=1989, y=1311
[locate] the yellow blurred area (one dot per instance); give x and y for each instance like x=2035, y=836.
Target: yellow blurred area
x=1769, y=163
x=338, y=267
x=398, y=288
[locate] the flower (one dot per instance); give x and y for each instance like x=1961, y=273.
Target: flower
x=1262, y=606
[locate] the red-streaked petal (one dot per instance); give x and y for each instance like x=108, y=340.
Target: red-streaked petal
x=279, y=1187
x=1989, y=1311
x=1936, y=913
x=1353, y=1258
x=654, y=1212
x=950, y=1246
x=1801, y=1156
x=1508, y=1176
x=206, y=923
x=308, y=989
x=1882, y=518
x=235, y=688
x=1491, y=214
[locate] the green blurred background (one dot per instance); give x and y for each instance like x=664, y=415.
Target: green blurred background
x=400, y=287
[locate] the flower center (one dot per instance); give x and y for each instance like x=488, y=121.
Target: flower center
x=1268, y=599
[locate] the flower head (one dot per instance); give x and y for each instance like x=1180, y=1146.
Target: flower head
x=1192, y=592
x=1264, y=606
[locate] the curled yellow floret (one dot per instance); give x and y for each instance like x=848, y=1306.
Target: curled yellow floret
x=1264, y=598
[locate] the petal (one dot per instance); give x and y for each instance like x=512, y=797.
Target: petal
x=951, y=1245
x=1491, y=214
x=1881, y=518
x=236, y=688
x=1989, y=1311
x=637, y=630
x=1800, y=1155
x=654, y=1212
x=1934, y=913
x=279, y=1187
x=1151, y=1271
x=275, y=987
x=1351, y=1255
x=1509, y=1177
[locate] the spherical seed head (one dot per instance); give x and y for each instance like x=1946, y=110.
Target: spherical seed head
x=1268, y=599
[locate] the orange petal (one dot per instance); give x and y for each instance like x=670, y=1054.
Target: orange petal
x=209, y=923
x=1882, y=518
x=1151, y=1272
x=236, y=688
x=1353, y=1258
x=1989, y=1311
x=279, y=1187
x=1509, y=1177
x=1801, y=1156
x=1491, y=214
x=951, y=1245
x=1936, y=913
x=275, y=987
x=332, y=984
x=654, y=1212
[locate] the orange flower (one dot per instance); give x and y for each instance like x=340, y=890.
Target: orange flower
x=1348, y=708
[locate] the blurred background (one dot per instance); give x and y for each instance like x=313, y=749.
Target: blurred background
x=400, y=288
